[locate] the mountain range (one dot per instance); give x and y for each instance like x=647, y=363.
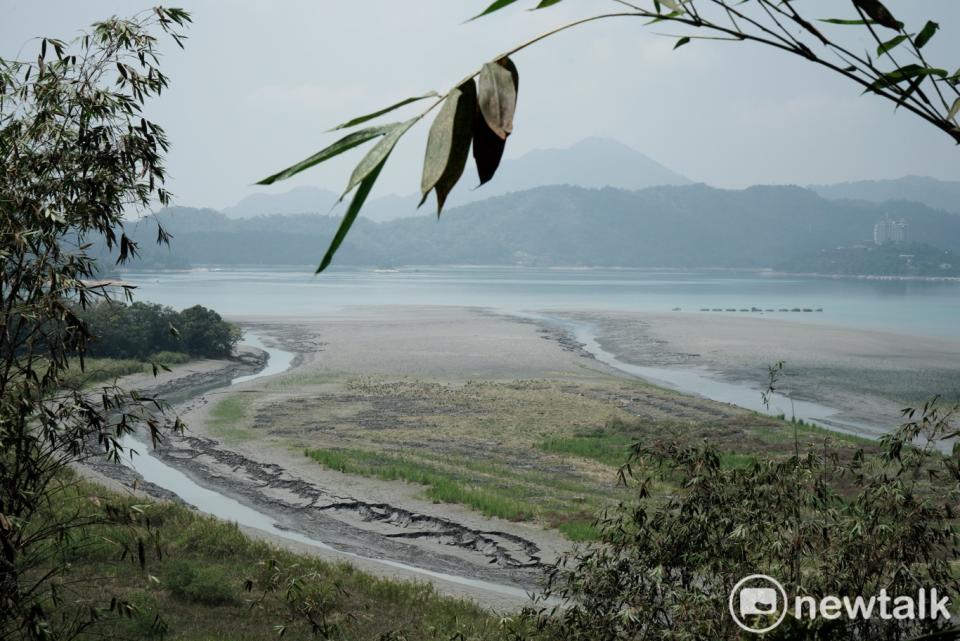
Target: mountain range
x=937, y=194
x=590, y=163
x=593, y=163
x=686, y=226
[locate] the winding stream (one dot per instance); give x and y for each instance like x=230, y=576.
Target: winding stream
x=216, y=504
x=699, y=382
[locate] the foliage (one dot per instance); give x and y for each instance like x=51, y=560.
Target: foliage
x=900, y=259
x=821, y=524
x=99, y=370
x=489, y=94
x=206, y=584
x=190, y=549
x=78, y=154
x=139, y=330
x=442, y=486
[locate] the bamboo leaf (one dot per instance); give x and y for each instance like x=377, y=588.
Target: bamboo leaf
x=905, y=73
x=879, y=13
x=890, y=44
x=497, y=95
x=954, y=110
x=496, y=6
x=448, y=144
x=842, y=21
x=376, y=114
x=682, y=41
x=344, y=144
x=378, y=154
x=546, y=3
x=928, y=31
x=366, y=184
x=487, y=148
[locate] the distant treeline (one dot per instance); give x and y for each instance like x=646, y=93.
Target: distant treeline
x=141, y=330
x=690, y=226
x=893, y=259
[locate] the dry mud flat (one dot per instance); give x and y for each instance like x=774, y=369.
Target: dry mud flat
x=867, y=375
x=454, y=390
x=364, y=526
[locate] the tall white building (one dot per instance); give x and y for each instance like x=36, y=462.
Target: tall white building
x=890, y=231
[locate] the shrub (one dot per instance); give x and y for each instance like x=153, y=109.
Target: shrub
x=823, y=524
x=206, y=584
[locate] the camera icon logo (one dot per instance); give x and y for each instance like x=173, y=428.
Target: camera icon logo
x=758, y=603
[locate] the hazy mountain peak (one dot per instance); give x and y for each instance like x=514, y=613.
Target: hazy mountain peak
x=592, y=162
x=299, y=200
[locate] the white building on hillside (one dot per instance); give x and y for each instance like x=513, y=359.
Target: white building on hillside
x=890, y=231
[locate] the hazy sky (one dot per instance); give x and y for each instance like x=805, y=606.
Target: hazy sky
x=260, y=82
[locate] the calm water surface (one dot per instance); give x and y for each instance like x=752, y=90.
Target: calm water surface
x=907, y=307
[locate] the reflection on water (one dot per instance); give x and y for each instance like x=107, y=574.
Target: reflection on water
x=909, y=307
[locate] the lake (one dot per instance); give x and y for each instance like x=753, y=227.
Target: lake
x=907, y=307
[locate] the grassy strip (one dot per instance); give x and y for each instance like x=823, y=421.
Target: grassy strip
x=611, y=444
x=227, y=417
x=98, y=370
x=441, y=486
x=604, y=446
x=195, y=581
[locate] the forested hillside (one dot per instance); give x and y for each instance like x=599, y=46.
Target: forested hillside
x=674, y=226
x=939, y=194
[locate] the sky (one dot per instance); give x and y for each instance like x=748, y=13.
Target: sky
x=260, y=83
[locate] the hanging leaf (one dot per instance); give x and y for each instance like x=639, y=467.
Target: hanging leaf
x=879, y=13
x=366, y=184
x=385, y=110
x=378, y=154
x=496, y=6
x=682, y=41
x=546, y=3
x=926, y=33
x=954, y=110
x=448, y=143
x=890, y=44
x=487, y=148
x=344, y=144
x=497, y=95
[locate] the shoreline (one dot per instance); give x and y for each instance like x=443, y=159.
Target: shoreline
x=447, y=382
x=868, y=376
x=390, y=534
x=760, y=271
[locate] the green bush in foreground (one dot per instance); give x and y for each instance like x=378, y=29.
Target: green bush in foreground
x=206, y=584
x=820, y=524
x=203, y=579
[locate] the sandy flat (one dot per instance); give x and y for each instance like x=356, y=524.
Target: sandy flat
x=868, y=374
x=442, y=381
x=437, y=343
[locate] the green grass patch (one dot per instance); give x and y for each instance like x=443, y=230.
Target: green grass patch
x=196, y=575
x=606, y=447
x=229, y=416
x=579, y=530
x=100, y=370
x=442, y=486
